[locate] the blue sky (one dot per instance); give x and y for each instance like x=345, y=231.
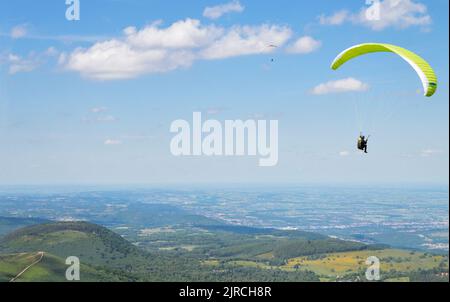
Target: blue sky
x=70, y=116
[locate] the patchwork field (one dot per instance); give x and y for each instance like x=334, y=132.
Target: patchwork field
x=395, y=265
x=339, y=264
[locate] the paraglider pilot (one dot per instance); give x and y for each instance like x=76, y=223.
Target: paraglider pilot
x=362, y=143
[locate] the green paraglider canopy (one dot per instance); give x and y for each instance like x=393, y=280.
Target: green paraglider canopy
x=423, y=69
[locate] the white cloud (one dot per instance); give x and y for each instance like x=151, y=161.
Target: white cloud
x=157, y=50
x=183, y=34
x=215, y=12
x=337, y=18
x=26, y=63
x=19, y=31
x=340, y=86
x=116, y=59
x=18, y=64
x=399, y=14
x=247, y=40
x=344, y=153
x=304, y=45
x=112, y=142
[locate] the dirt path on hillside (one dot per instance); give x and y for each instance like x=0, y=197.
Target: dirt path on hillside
x=41, y=256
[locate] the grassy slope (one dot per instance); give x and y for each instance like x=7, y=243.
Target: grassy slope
x=94, y=245
x=91, y=243
x=50, y=269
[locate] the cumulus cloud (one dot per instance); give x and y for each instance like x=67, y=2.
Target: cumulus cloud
x=156, y=50
x=215, y=12
x=340, y=86
x=116, y=59
x=396, y=13
x=247, y=40
x=184, y=34
x=304, y=45
x=383, y=14
x=19, y=31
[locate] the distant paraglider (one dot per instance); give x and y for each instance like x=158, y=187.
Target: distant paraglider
x=272, y=46
x=362, y=143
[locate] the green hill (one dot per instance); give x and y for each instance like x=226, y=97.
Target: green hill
x=97, y=247
x=92, y=244
x=34, y=267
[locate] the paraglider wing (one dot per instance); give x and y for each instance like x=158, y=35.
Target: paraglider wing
x=423, y=69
